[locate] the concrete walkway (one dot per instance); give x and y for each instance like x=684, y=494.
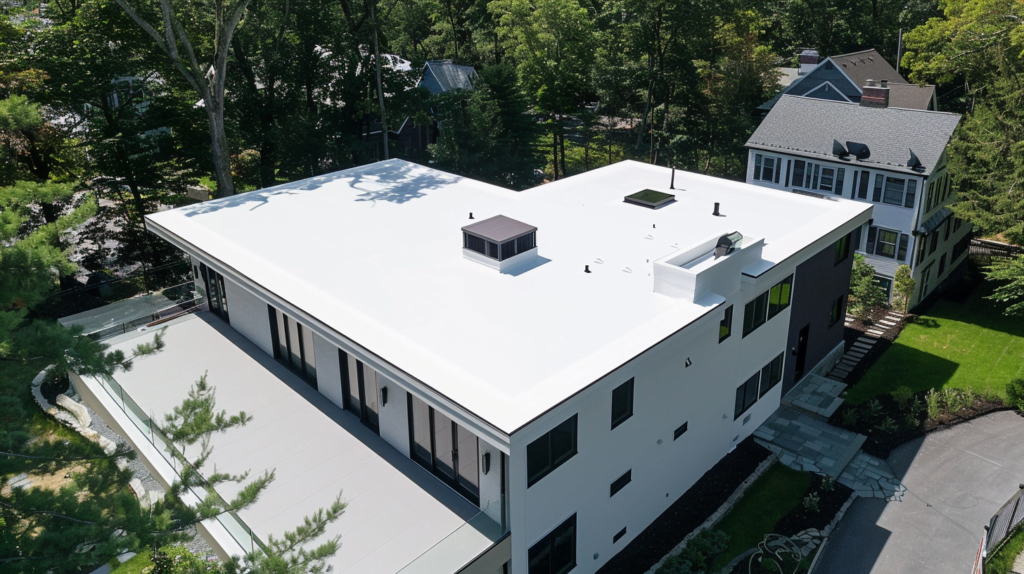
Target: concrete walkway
x=956, y=480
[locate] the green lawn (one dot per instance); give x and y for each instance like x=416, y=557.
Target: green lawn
x=135, y=565
x=1001, y=562
x=954, y=344
x=772, y=496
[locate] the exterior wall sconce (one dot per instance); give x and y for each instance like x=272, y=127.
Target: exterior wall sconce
x=383, y=396
x=485, y=463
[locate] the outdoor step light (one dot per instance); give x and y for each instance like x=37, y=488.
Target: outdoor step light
x=485, y=463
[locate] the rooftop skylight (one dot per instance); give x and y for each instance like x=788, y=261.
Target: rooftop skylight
x=650, y=198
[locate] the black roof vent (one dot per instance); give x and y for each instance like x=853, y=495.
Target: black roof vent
x=651, y=198
x=728, y=243
x=838, y=149
x=914, y=162
x=860, y=150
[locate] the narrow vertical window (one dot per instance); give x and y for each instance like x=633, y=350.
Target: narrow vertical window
x=876, y=195
x=725, y=327
x=840, y=175
x=622, y=403
x=911, y=193
x=862, y=191
x=757, y=166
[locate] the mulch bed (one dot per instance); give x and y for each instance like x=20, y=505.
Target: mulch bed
x=979, y=409
x=829, y=503
x=690, y=511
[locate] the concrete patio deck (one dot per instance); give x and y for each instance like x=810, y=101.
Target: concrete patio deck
x=396, y=510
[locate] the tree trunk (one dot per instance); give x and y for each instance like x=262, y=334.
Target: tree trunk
x=221, y=155
x=380, y=87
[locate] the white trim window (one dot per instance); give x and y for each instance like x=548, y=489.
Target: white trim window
x=898, y=191
x=887, y=243
x=820, y=177
x=767, y=168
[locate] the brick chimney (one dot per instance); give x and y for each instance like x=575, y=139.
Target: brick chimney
x=875, y=96
x=808, y=61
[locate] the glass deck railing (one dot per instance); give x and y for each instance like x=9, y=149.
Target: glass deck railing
x=238, y=530
x=458, y=548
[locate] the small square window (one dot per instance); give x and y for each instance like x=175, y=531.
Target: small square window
x=681, y=430
x=619, y=535
x=622, y=403
x=621, y=482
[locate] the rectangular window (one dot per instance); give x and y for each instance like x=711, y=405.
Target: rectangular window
x=862, y=191
x=778, y=296
x=855, y=239
x=771, y=374
x=754, y=314
x=556, y=552
x=894, y=190
x=619, y=535
x=827, y=179
x=840, y=174
x=757, y=166
x=885, y=245
x=746, y=395
x=885, y=283
x=762, y=308
x=930, y=197
x=901, y=254
x=876, y=195
x=768, y=171
x=842, y=249
x=621, y=482
x=942, y=265
x=934, y=242
x=911, y=193
x=798, y=172
x=550, y=451
x=293, y=344
x=814, y=179
x=622, y=403
x=957, y=222
x=836, y=312
x=920, y=250
x=681, y=430
x=945, y=232
x=725, y=327
x=872, y=234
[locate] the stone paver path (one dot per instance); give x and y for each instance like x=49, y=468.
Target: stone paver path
x=871, y=477
x=816, y=395
x=862, y=345
x=809, y=443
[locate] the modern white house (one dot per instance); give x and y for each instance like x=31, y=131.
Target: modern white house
x=495, y=381
x=892, y=158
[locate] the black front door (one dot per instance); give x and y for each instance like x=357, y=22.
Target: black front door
x=443, y=447
x=801, y=353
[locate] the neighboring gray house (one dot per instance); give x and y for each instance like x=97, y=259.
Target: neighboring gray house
x=441, y=76
x=872, y=152
x=841, y=78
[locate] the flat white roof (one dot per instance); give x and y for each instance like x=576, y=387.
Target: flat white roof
x=397, y=511
x=375, y=253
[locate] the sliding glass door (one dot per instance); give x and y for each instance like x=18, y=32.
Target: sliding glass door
x=449, y=451
x=216, y=294
x=359, y=388
x=293, y=345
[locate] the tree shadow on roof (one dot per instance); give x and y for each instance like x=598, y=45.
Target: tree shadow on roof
x=394, y=181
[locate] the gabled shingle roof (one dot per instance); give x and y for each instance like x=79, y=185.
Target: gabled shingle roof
x=807, y=127
x=447, y=76
x=867, y=65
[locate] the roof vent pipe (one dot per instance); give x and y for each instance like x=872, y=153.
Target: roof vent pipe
x=715, y=212
x=586, y=268
x=471, y=215
x=672, y=184
x=885, y=83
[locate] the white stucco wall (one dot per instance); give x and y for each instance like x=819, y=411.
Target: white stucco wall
x=328, y=371
x=394, y=416
x=248, y=315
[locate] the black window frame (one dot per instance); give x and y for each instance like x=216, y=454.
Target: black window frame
x=623, y=392
x=771, y=375
x=681, y=430
x=746, y=395
x=534, y=451
x=942, y=266
x=842, y=249
x=876, y=193
x=933, y=244
x=620, y=483
x=865, y=183
x=564, y=532
x=835, y=312
x=761, y=309
x=725, y=326
x=618, y=535
x=275, y=341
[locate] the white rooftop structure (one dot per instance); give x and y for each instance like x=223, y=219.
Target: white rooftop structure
x=504, y=345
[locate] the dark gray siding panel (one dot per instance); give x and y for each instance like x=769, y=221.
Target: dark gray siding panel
x=821, y=75
x=817, y=284
x=430, y=82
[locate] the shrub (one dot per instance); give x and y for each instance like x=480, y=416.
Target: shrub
x=850, y=417
x=933, y=404
x=903, y=286
x=697, y=554
x=865, y=292
x=911, y=421
x=889, y=426
x=902, y=396
x=811, y=502
x=874, y=409
x=828, y=484
x=1015, y=394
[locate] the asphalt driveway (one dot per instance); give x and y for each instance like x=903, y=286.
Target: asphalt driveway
x=956, y=480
